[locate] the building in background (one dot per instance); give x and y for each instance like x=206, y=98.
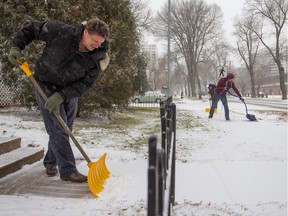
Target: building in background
x=151, y=54
x=155, y=77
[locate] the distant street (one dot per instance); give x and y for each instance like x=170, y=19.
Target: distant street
x=267, y=102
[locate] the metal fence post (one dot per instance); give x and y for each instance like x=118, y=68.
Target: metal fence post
x=161, y=180
x=161, y=169
x=172, y=195
x=152, y=178
x=164, y=138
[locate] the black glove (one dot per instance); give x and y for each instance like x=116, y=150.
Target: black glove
x=226, y=88
x=53, y=103
x=15, y=53
x=242, y=99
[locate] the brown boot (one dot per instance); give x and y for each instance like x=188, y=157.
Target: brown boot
x=75, y=177
x=51, y=170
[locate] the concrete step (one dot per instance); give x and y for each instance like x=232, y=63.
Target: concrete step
x=8, y=144
x=12, y=161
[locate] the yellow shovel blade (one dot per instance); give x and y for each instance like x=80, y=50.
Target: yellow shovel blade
x=97, y=174
x=208, y=110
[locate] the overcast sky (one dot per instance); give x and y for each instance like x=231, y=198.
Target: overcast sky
x=230, y=9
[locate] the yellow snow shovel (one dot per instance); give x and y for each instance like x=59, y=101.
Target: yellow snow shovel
x=208, y=110
x=98, y=171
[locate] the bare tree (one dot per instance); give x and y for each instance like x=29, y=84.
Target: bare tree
x=179, y=76
x=261, y=69
x=143, y=14
x=247, y=45
x=144, y=21
x=157, y=78
x=275, y=13
x=242, y=80
x=205, y=70
x=194, y=24
x=216, y=55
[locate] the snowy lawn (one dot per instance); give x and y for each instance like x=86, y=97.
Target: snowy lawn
x=223, y=168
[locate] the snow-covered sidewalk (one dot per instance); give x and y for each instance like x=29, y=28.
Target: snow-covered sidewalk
x=233, y=162
x=223, y=168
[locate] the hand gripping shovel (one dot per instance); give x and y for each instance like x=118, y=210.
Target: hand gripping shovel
x=98, y=171
x=248, y=116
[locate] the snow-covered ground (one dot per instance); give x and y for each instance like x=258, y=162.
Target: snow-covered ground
x=236, y=167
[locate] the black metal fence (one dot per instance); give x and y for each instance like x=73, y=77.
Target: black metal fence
x=161, y=169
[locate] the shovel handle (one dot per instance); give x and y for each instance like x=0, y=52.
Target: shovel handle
x=24, y=66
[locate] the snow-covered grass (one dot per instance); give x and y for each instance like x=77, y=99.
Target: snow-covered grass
x=223, y=168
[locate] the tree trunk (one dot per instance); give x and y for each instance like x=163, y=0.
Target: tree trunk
x=282, y=82
x=252, y=80
x=197, y=81
x=199, y=87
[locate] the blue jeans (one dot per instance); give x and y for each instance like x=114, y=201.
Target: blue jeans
x=215, y=100
x=59, y=150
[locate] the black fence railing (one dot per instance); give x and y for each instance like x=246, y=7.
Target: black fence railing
x=161, y=169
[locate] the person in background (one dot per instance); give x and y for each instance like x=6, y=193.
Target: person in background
x=223, y=85
x=69, y=65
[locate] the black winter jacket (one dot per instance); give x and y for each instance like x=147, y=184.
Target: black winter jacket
x=61, y=65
